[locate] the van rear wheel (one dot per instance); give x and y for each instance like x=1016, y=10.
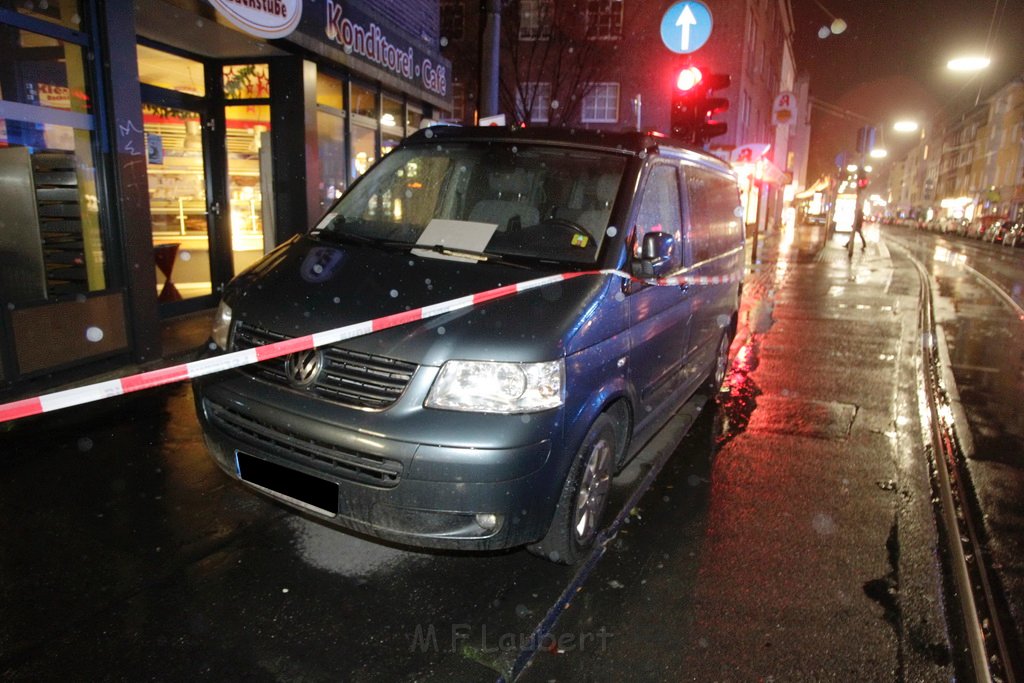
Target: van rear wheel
x=584, y=497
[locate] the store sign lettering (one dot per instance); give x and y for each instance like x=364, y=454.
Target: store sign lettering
x=56, y=96
x=263, y=18
x=369, y=42
x=435, y=77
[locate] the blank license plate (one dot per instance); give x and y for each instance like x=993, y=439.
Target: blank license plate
x=314, y=492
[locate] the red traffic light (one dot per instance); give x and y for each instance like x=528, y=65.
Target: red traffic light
x=688, y=78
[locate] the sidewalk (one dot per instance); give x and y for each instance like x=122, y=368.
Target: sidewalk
x=804, y=547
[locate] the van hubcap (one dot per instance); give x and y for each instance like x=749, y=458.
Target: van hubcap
x=594, y=488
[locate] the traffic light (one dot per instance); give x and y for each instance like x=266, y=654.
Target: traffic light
x=714, y=105
x=692, y=107
x=686, y=99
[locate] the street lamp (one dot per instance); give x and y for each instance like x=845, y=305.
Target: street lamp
x=879, y=153
x=968, y=63
x=905, y=126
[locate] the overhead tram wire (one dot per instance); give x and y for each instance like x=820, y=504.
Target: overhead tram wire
x=997, y=20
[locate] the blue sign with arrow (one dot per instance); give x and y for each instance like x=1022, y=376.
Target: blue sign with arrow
x=686, y=26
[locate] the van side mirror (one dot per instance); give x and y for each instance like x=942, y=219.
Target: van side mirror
x=655, y=255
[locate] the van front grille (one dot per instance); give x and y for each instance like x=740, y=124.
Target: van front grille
x=349, y=378
x=283, y=443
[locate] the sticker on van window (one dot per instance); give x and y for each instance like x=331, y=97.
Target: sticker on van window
x=320, y=264
x=580, y=240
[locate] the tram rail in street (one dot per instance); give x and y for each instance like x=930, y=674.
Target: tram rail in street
x=981, y=605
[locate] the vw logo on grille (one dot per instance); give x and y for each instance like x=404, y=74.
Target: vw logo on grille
x=304, y=367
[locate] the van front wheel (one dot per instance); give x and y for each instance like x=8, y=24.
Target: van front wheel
x=584, y=497
x=721, y=367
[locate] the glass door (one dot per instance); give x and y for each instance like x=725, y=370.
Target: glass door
x=178, y=202
x=184, y=204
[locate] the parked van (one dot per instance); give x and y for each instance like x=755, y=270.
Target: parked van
x=500, y=424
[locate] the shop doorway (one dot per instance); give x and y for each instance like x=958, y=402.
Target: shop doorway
x=207, y=127
x=178, y=201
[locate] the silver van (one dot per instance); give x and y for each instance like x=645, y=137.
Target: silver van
x=500, y=424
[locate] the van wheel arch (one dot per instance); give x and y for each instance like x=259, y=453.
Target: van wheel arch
x=610, y=430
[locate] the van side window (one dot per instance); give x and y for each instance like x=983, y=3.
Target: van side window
x=714, y=226
x=698, y=230
x=659, y=209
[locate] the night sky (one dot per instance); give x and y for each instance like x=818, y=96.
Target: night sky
x=890, y=63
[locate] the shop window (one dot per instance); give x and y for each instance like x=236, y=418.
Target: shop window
x=365, y=123
x=170, y=72
x=246, y=81
x=364, y=102
x=45, y=72
x=363, y=150
x=50, y=238
x=413, y=120
x=330, y=128
x=66, y=13
x=392, y=128
x=330, y=92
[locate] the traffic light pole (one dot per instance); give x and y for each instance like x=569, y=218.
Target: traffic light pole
x=490, y=58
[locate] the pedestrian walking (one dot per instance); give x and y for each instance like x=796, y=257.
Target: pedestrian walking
x=858, y=229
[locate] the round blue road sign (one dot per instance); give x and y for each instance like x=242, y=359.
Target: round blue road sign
x=686, y=26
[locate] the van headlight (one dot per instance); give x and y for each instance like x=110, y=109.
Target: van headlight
x=488, y=387
x=221, y=326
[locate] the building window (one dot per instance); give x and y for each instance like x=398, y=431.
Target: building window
x=392, y=123
x=535, y=19
x=601, y=105
x=533, y=101
x=453, y=19
x=330, y=127
x=458, y=114
x=604, y=19
x=744, y=114
x=51, y=239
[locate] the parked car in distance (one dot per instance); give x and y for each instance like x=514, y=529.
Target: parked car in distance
x=501, y=424
x=979, y=226
x=1014, y=236
x=996, y=233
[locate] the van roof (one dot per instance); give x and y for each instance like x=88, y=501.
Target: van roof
x=630, y=142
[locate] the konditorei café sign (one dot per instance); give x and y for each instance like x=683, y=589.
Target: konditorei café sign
x=332, y=26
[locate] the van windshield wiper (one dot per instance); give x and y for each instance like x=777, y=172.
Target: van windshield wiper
x=355, y=238
x=477, y=256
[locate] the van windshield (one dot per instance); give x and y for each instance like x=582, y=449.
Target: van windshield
x=509, y=200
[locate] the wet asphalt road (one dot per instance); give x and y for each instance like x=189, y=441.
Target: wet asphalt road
x=984, y=331
x=789, y=536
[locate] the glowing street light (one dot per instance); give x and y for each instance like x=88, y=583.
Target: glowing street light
x=879, y=153
x=905, y=126
x=969, y=63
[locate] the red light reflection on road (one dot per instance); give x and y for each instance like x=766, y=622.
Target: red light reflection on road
x=739, y=396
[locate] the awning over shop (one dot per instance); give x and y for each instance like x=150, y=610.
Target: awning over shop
x=820, y=185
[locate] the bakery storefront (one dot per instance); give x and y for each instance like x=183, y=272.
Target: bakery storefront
x=150, y=150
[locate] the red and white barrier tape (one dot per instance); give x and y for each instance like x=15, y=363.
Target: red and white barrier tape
x=207, y=366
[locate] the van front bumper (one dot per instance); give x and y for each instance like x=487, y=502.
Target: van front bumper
x=427, y=495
